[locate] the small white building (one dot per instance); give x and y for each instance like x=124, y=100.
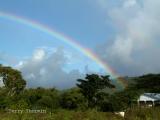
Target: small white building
x=149, y=99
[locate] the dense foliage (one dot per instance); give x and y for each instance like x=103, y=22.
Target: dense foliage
x=90, y=93
x=12, y=80
x=92, y=87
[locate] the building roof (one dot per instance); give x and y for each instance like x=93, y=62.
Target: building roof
x=149, y=97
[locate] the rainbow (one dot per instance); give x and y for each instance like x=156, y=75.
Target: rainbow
x=70, y=41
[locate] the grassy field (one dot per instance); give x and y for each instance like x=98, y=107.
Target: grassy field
x=143, y=114
x=62, y=115
x=133, y=114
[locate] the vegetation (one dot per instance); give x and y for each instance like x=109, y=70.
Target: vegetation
x=92, y=87
x=12, y=80
x=90, y=100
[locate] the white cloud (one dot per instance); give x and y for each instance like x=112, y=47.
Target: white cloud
x=122, y=49
x=39, y=55
x=135, y=49
x=129, y=3
x=46, y=69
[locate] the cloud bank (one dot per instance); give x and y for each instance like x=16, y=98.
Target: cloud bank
x=135, y=47
x=45, y=68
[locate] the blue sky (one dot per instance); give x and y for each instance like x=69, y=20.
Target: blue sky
x=78, y=19
x=73, y=18
x=123, y=33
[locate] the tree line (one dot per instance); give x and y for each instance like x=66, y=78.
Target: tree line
x=89, y=93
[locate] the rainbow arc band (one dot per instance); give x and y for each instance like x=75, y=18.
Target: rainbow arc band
x=70, y=41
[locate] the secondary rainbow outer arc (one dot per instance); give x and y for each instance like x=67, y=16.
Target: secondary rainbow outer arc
x=70, y=41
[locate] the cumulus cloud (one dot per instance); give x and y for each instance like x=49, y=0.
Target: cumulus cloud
x=46, y=69
x=129, y=3
x=135, y=49
x=39, y=55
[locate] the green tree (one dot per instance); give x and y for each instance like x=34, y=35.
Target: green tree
x=42, y=98
x=92, y=86
x=73, y=99
x=148, y=83
x=12, y=80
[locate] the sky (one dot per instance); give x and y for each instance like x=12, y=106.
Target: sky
x=124, y=34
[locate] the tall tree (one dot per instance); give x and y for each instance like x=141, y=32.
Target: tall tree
x=92, y=86
x=12, y=80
